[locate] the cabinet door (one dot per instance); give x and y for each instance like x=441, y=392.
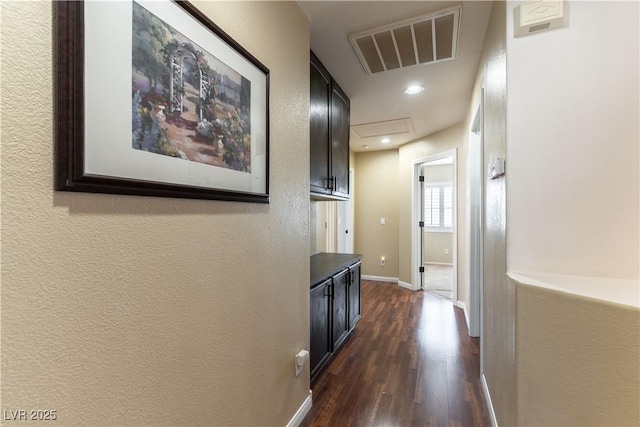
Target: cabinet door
x=340, y=141
x=320, y=346
x=354, y=295
x=339, y=309
x=321, y=181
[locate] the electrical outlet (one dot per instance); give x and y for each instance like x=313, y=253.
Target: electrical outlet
x=300, y=360
x=382, y=262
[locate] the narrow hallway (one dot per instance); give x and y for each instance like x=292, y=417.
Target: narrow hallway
x=410, y=362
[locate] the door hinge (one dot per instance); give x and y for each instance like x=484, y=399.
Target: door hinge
x=421, y=270
x=421, y=224
x=421, y=178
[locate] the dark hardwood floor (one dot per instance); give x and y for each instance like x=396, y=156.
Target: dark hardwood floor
x=410, y=362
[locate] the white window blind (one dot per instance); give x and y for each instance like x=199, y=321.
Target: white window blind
x=438, y=206
x=432, y=206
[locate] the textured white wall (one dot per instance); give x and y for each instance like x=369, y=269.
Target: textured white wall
x=153, y=311
x=434, y=247
x=498, y=349
x=438, y=173
x=574, y=141
x=577, y=358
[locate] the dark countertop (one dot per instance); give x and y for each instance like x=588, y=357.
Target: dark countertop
x=325, y=265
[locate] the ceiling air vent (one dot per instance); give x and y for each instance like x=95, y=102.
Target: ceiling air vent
x=421, y=40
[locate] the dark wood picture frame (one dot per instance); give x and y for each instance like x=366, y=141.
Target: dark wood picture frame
x=71, y=127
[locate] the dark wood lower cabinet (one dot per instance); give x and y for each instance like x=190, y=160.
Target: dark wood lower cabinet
x=334, y=311
x=339, y=303
x=354, y=295
x=320, y=349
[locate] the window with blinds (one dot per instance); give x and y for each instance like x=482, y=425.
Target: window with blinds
x=438, y=206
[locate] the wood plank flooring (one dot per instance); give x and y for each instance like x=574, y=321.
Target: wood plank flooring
x=410, y=362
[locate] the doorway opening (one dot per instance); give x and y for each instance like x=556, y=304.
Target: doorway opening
x=345, y=219
x=435, y=207
x=332, y=223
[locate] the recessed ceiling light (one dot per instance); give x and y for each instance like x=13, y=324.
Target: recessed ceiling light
x=365, y=147
x=412, y=90
x=385, y=140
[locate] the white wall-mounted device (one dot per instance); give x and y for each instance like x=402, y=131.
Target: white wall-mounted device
x=496, y=168
x=538, y=16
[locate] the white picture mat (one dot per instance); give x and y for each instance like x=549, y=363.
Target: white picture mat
x=108, y=102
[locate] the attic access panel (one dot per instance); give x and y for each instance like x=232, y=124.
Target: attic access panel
x=424, y=39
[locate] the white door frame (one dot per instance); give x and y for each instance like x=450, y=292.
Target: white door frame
x=475, y=221
x=416, y=251
x=328, y=214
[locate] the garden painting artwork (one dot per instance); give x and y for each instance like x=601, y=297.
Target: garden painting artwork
x=185, y=102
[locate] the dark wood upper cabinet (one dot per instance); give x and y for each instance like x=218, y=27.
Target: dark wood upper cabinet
x=340, y=141
x=329, y=135
x=319, y=127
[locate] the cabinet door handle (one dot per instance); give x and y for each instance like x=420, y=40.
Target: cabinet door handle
x=332, y=183
x=327, y=292
x=335, y=183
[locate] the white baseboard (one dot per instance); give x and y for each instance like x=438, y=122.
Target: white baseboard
x=380, y=278
x=407, y=285
x=390, y=280
x=464, y=309
x=302, y=412
x=487, y=396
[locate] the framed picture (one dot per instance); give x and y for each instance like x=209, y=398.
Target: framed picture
x=154, y=99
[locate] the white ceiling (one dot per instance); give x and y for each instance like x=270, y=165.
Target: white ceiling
x=379, y=97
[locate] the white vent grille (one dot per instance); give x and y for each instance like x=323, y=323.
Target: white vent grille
x=539, y=27
x=421, y=40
